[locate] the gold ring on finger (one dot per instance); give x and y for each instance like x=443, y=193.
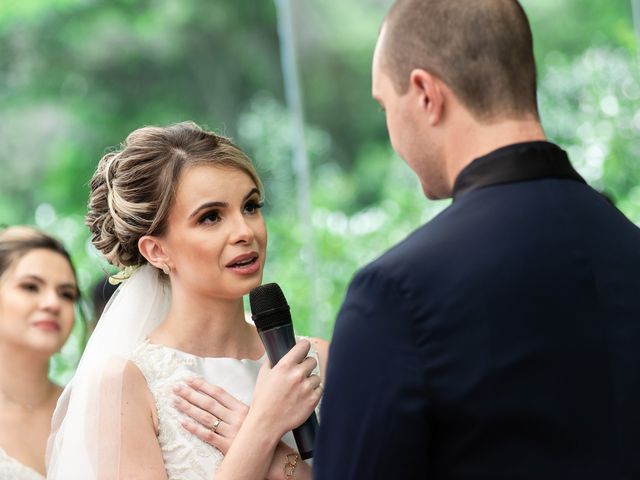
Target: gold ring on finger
x=215, y=425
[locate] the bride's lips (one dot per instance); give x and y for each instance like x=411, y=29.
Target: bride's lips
x=245, y=264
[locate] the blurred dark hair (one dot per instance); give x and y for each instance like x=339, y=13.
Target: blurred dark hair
x=100, y=295
x=18, y=240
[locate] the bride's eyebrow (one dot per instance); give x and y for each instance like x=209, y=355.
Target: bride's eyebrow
x=209, y=205
x=206, y=206
x=253, y=191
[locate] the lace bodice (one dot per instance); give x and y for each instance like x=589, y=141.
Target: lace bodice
x=185, y=456
x=12, y=469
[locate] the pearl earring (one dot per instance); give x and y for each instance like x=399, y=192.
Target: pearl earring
x=166, y=269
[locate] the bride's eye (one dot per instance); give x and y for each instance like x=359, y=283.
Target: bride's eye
x=210, y=217
x=252, y=206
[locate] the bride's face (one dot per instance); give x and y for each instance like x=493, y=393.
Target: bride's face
x=216, y=237
x=37, y=299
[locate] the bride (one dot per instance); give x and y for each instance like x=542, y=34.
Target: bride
x=162, y=388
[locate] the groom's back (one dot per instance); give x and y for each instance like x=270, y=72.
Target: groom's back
x=530, y=333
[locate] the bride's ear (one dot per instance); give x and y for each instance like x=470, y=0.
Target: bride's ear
x=152, y=249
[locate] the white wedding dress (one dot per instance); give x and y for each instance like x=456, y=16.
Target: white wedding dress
x=88, y=411
x=12, y=469
x=185, y=456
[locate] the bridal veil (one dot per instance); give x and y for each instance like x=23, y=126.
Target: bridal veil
x=86, y=430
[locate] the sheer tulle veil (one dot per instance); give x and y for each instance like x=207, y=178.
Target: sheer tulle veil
x=84, y=441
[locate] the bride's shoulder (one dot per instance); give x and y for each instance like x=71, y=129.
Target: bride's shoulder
x=132, y=377
x=136, y=400
x=124, y=379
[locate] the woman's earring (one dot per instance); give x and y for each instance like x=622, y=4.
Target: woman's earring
x=166, y=269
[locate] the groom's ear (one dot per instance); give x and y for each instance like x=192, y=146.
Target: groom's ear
x=153, y=250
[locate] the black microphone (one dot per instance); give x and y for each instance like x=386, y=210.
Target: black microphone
x=270, y=313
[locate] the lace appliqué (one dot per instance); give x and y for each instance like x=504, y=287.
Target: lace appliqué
x=185, y=455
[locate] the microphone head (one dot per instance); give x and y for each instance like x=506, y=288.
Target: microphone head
x=269, y=308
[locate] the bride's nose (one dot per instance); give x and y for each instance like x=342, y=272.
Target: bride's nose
x=241, y=231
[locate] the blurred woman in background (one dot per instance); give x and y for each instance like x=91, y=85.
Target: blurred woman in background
x=38, y=293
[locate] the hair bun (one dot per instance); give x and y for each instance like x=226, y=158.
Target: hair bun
x=103, y=218
x=133, y=188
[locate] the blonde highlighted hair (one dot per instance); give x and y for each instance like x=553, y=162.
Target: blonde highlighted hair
x=133, y=188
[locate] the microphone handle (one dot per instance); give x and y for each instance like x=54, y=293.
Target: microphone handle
x=277, y=342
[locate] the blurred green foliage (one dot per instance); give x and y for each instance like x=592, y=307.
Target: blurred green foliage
x=77, y=75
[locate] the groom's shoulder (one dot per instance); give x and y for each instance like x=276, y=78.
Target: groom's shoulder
x=427, y=247
x=429, y=241
x=453, y=233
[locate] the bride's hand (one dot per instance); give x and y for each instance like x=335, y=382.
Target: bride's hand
x=284, y=397
x=216, y=414
x=287, y=394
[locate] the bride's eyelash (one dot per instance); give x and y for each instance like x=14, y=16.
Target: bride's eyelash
x=254, y=204
x=212, y=215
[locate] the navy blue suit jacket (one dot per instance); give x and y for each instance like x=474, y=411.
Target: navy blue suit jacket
x=499, y=341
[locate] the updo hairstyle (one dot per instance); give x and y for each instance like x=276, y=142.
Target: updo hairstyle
x=133, y=188
x=17, y=241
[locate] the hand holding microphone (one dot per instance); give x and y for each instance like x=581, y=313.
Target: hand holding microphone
x=272, y=318
x=287, y=394
x=284, y=397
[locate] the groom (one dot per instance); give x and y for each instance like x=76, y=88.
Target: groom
x=502, y=339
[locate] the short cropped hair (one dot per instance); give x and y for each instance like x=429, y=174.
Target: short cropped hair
x=482, y=49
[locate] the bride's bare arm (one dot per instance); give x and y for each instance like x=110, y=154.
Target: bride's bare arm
x=136, y=448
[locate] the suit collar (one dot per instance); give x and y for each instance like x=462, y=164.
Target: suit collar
x=515, y=163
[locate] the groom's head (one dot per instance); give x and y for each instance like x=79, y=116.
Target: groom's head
x=482, y=49
x=435, y=54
